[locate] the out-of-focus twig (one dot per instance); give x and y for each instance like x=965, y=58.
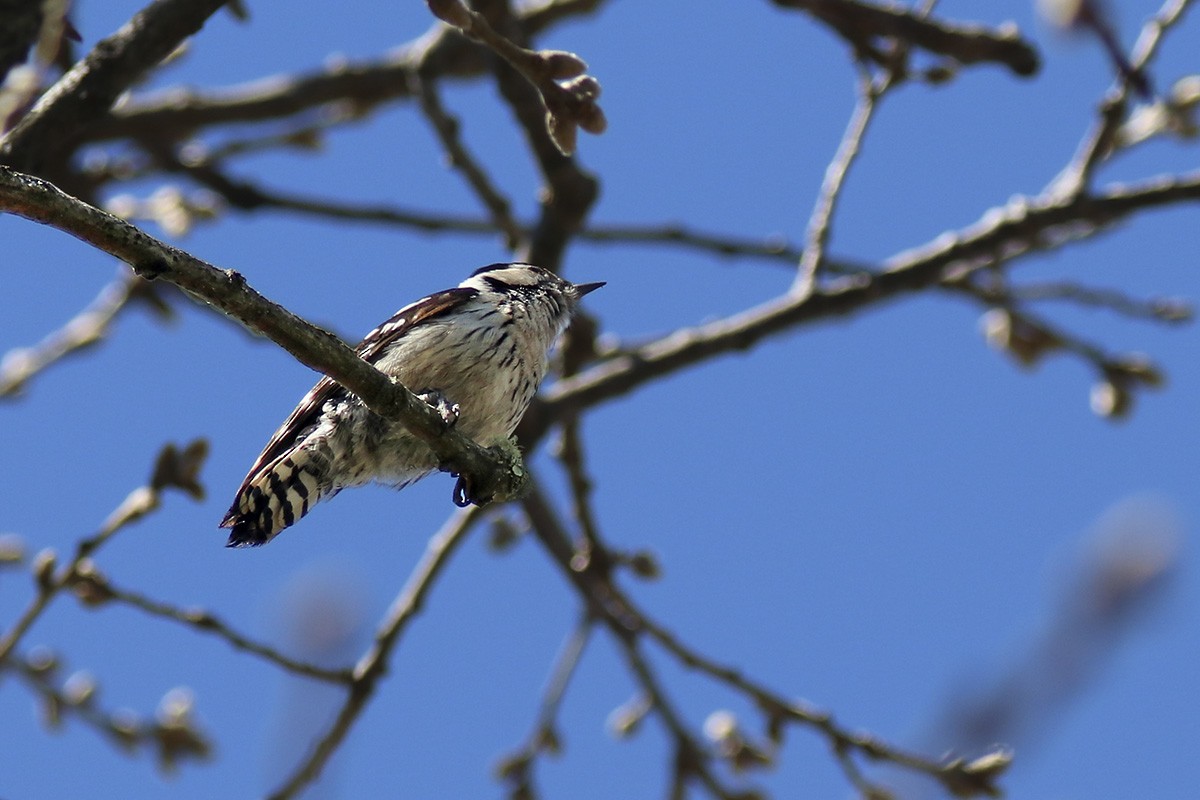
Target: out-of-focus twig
x=173, y=733
x=517, y=767
x=1098, y=143
x=95, y=589
x=568, y=94
x=447, y=129
x=87, y=328
x=862, y=24
x=374, y=663
x=174, y=468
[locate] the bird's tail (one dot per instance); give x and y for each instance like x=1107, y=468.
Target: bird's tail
x=276, y=496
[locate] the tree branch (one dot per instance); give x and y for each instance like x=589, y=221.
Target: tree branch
x=88, y=90
x=860, y=22
x=1023, y=226
x=374, y=663
x=493, y=475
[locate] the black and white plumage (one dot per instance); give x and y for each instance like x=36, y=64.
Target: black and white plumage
x=480, y=347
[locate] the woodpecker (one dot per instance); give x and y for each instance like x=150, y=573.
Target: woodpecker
x=477, y=352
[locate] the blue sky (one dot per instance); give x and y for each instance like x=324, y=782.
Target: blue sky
x=879, y=514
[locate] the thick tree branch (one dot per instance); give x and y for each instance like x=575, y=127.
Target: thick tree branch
x=87, y=91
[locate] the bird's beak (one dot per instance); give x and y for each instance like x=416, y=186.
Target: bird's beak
x=585, y=288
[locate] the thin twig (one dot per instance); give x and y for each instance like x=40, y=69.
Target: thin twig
x=517, y=766
x=821, y=220
x=1097, y=145
x=172, y=469
x=447, y=128
x=1168, y=310
x=174, y=732
x=87, y=328
x=692, y=758
x=861, y=23
x=100, y=589
x=372, y=666
x=570, y=454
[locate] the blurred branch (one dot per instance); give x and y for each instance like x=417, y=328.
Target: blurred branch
x=517, y=767
x=447, y=128
x=569, y=96
x=820, y=222
x=373, y=665
x=87, y=328
x=492, y=471
x=172, y=469
x=861, y=23
x=1168, y=310
x=95, y=589
x=1124, y=566
x=173, y=732
x=44, y=136
x=1100, y=142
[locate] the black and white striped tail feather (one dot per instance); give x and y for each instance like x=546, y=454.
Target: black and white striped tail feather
x=276, y=497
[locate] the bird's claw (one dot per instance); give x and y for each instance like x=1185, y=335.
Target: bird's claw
x=437, y=401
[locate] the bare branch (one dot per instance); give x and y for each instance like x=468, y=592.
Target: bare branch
x=821, y=221
x=355, y=87
x=87, y=91
x=95, y=589
x=374, y=663
x=1001, y=235
x=860, y=22
x=172, y=469
x=494, y=472
x=87, y=328
x=447, y=129
x=1099, y=143
x=173, y=733
x=517, y=767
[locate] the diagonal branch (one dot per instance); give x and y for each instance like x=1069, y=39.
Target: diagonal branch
x=1001, y=235
x=494, y=476
x=87, y=328
x=447, y=128
x=172, y=469
x=820, y=223
x=860, y=22
x=1100, y=142
x=88, y=90
x=96, y=589
x=374, y=664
